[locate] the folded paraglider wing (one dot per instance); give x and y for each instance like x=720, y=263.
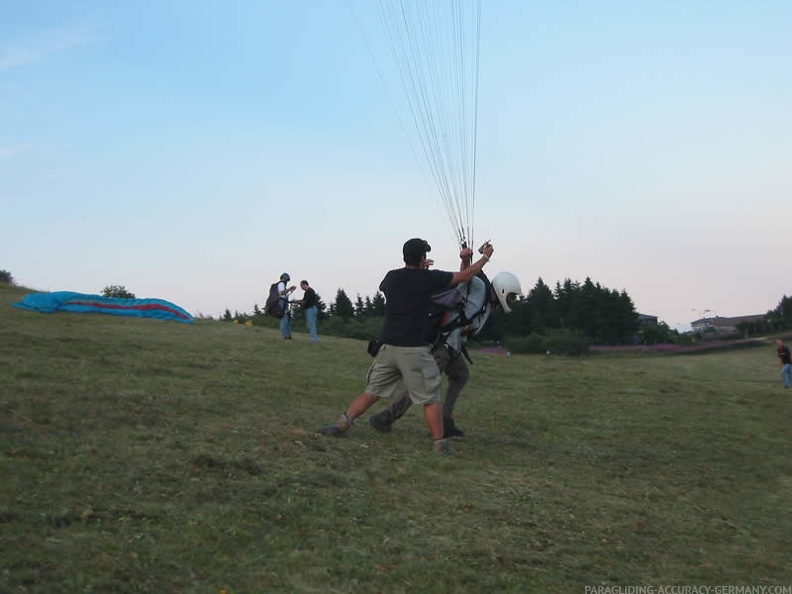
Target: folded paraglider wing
x=67, y=301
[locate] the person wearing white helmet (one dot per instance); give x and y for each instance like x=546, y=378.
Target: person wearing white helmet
x=449, y=349
x=507, y=288
x=402, y=357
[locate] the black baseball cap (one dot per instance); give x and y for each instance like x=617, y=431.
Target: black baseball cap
x=416, y=247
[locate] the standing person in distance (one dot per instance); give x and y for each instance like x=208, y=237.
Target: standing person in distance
x=283, y=293
x=784, y=363
x=309, y=303
x=448, y=348
x=404, y=354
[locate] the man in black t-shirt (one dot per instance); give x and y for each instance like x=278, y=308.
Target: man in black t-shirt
x=309, y=304
x=404, y=354
x=784, y=363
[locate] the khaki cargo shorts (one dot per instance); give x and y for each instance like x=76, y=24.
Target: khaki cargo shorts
x=414, y=365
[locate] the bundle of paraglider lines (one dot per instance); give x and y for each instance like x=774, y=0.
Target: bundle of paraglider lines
x=435, y=49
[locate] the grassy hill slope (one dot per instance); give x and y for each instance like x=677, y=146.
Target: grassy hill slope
x=148, y=456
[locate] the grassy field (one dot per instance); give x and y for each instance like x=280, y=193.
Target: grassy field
x=148, y=456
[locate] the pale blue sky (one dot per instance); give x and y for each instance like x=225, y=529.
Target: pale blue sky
x=192, y=151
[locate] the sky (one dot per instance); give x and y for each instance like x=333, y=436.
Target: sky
x=193, y=151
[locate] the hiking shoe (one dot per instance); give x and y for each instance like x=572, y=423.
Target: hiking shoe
x=443, y=446
x=382, y=422
x=450, y=429
x=332, y=430
x=338, y=428
x=453, y=432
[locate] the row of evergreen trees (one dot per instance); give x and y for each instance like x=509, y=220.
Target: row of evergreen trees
x=602, y=315
x=587, y=312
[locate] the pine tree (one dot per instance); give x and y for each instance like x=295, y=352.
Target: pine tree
x=360, y=307
x=343, y=307
x=378, y=305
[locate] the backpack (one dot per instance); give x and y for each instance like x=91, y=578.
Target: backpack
x=275, y=306
x=449, y=302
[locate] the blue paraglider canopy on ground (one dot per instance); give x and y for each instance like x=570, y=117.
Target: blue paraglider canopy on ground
x=83, y=303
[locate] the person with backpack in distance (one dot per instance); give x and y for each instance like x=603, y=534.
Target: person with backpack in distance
x=402, y=354
x=309, y=303
x=459, y=316
x=277, y=304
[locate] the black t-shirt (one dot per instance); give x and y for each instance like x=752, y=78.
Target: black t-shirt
x=309, y=298
x=783, y=353
x=408, y=293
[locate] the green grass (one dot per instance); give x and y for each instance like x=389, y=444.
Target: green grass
x=148, y=456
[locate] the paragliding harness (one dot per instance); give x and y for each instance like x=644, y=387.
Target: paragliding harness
x=275, y=306
x=442, y=319
x=442, y=308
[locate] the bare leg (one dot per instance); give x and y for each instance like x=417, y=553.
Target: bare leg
x=360, y=405
x=433, y=414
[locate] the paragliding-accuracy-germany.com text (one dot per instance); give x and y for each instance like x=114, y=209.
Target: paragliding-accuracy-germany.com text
x=688, y=589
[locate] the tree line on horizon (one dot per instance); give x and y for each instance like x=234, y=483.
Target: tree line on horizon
x=584, y=312
x=571, y=314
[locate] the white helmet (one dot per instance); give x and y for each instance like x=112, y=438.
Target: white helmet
x=503, y=284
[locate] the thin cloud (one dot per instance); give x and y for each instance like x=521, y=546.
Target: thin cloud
x=37, y=48
x=6, y=152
